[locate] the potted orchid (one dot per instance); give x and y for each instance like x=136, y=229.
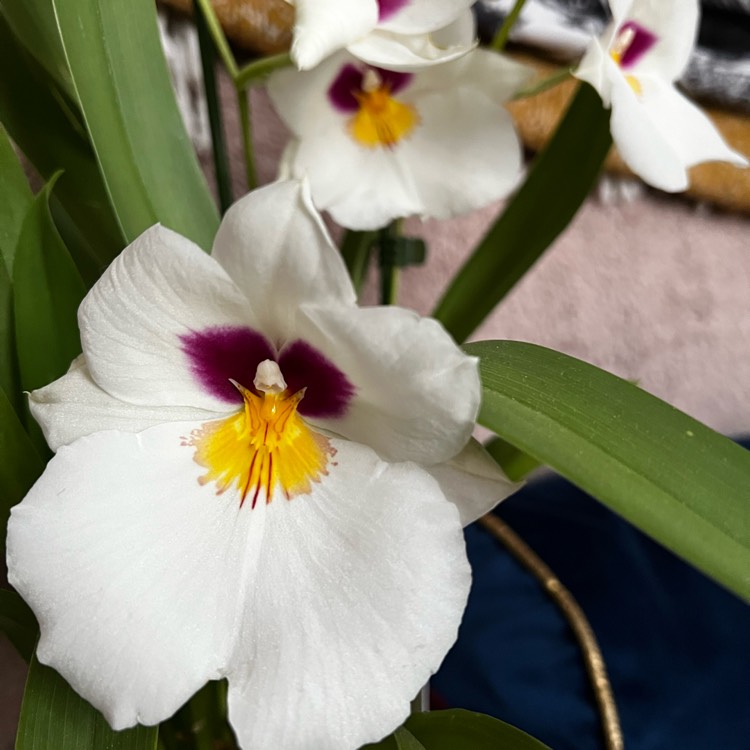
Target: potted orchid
x=235, y=499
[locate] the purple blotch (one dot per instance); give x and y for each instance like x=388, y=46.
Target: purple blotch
x=328, y=389
x=386, y=8
x=642, y=42
x=222, y=352
x=342, y=93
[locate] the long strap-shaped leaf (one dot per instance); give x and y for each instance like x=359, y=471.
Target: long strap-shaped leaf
x=53, y=716
x=20, y=463
x=457, y=729
x=123, y=86
x=47, y=293
x=15, y=199
x=673, y=477
x=50, y=136
x=557, y=185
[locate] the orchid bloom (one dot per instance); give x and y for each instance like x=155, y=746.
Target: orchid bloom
x=633, y=67
x=377, y=145
x=397, y=34
x=254, y=479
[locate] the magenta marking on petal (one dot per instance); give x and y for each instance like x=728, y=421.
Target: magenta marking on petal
x=387, y=8
x=395, y=81
x=341, y=91
x=328, y=389
x=641, y=43
x=347, y=85
x=222, y=352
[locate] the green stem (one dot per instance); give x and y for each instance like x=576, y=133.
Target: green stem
x=218, y=142
x=389, y=271
x=259, y=69
x=498, y=43
x=546, y=83
x=217, y=34
x=243, y=103
x=421, y=702
x=356, y=249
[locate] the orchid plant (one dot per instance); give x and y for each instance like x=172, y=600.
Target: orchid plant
x=235, y=499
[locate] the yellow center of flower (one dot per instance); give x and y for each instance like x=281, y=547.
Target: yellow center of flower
x=265, y=446
x=381, y=120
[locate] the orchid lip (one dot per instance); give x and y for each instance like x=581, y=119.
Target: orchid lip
x=265, y=447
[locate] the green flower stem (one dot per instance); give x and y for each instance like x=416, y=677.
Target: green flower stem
x=389, y=271
x=217, y=34
x=498, y=43
x=356, y=249
x=243, y=103
x=218, y=141
x=421, y=702
x=259, y=69
x=545, y=84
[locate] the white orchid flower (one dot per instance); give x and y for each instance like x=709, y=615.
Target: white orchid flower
x=633, y=67
x=398, y=34
x=248, y=484
x=377, y=145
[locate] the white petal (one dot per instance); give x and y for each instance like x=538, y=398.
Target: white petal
x=598, y=69
x=687, y=128
x=641, y=143
x=301, y=99
x=416, y=393
x=660, y=134
x=473, y=481
x=464, y=155
x=496, y=76
x=74, y=406
x=387, y=49
x=419, y=16
x=136, y=572
x=274, y=244
x=361, y=188
x=160, y=287
x=675, y=24
x=324, y=26
x=359, y=593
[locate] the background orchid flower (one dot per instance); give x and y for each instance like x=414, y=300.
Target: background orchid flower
x=250, y=483
x=658, y=132
x=400, y=34
x=377, y=145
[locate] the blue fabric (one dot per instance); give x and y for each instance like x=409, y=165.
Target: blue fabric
x=675, y=643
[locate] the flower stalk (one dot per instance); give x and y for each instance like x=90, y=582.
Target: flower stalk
x=218, y=141
x=501, y=38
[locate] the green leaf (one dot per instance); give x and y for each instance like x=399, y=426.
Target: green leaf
x=356, y=249
x=677, y=480
x=17, y=621
x=516, y=464
x=33, y=23
x=456, y=729
x=53, y=716
x=20, y=463
x=47, y=293
x=405, y=740
x=559, y=181
x=121, y=78
x=15, y=199
x=49, y=134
